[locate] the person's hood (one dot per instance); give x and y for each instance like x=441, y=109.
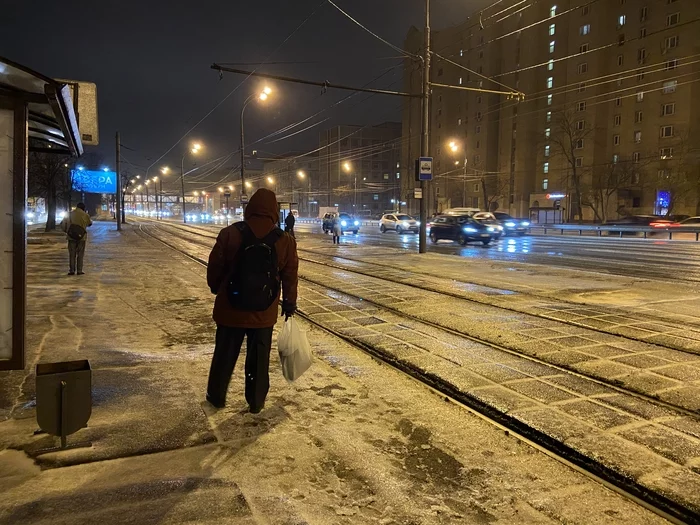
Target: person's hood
x=263, y=204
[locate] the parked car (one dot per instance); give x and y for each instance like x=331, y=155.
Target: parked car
x=654, y=221
x=460, y=228
x=691, y=223
x=511, y=225
x=399, y=223
x=347, y=223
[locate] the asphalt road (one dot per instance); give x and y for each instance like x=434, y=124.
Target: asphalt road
x=631, y=257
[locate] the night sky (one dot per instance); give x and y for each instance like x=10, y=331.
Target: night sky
x=150, y=60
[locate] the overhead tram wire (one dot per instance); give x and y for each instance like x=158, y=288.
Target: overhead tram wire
x=239, y=84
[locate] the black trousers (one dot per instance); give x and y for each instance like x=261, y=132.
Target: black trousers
x=257, y=363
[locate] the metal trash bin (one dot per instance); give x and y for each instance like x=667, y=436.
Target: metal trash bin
x=63, y=397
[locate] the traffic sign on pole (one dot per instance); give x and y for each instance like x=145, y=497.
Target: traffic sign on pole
x=424, y=168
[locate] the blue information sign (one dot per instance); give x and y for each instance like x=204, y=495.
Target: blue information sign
x=94, y=181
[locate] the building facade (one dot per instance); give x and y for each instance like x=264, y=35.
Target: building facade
x=608, y=123
x=360, y=168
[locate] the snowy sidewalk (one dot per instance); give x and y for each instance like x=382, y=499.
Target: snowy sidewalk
x=353, y=442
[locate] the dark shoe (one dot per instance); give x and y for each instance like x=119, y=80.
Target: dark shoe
x=215, y=403
x=71, y=273
x=81, y=273
x=256, y=410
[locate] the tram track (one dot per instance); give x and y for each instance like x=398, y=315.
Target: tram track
x=623, y=484
x=446, y=326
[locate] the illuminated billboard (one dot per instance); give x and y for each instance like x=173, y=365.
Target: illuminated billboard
x=87, y=181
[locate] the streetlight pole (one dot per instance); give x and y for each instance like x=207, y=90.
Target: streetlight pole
x=261, y=96
x=148, y=200
x=424, y=138
x=182, y=182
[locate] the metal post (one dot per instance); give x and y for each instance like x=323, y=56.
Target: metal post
x=118, y=196
x=160, y=191
x=182, y=181
x=148, y=202
x=424, y=144
x=243, y=189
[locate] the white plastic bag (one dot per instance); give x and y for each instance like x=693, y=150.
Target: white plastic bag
x=294, y=350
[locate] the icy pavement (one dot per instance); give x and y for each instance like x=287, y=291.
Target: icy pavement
x=353, y=442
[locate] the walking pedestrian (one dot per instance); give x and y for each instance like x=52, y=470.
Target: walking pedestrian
x=289, y=222
x=246, y=265
x=337, y=229
x=75, y=225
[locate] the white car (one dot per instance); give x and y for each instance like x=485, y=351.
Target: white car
x=399, y=222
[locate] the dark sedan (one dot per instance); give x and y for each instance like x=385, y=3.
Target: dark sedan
x=461, y=229
x=511, y=225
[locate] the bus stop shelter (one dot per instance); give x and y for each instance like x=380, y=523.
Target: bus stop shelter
x=36, y=114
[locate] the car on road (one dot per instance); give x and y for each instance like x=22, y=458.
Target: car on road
x=461, y=229
x=347, y=223
x=691, y=223
x=489, y=219
x=511, y=225
x=398, y=222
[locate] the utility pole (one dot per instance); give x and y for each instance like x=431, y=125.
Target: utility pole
x=424, y=137
x=182, y=181
x=118, y=196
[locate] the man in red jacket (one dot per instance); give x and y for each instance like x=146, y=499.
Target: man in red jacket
x=227, y=272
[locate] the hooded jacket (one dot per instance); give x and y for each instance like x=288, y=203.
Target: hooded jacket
x=261, y=216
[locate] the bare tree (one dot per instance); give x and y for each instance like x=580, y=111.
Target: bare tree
x=494, y=187
x=566, y=134
x=48, y=178
x=608, y=180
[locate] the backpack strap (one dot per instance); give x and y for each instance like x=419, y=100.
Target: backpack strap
x=271, y=238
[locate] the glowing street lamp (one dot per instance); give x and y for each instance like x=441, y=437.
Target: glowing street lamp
x=347, y=167
x=454, y=147
x=270, y=180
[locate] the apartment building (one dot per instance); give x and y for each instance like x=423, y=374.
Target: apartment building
x=608, y=123
x=360, y=168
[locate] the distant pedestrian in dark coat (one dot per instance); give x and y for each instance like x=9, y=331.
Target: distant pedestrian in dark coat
x=289, y=224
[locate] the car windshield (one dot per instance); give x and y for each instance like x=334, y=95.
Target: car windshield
x=345, y=216
x=503, y=216
x=404, y=217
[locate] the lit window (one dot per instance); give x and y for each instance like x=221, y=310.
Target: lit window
x=552, y=29
x=583, y=68
x=459, y=121
x=546, y=151
x=550, y=82
x=616, y=158
x=670, y=86
x=550, y=65
x=672, y=20
x=584, y=29
x=551, y=46
x=545, y=184
x=616, y=140
x=460, y=81
x=637, y=137
x=640, y=96
x=461, y=52
x=621, y=20
x=666, y=132
x=549, y=116
x=398, y=175
x=547, y=132
x=553, y=11
x=386, y=176
x=666, y=153
x=549, y=99
x=376, y=196
x=546, y=167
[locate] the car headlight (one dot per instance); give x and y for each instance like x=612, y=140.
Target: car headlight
x=499, y=228
x=469, y=229
x=343, y=223
x=417, y=223
x=489, y=229
x=510, y=224
x=405, y=224
x=525, y=223
x=357, y=223
x=29, y=215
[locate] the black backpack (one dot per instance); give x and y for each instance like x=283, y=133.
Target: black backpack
x=254, y=284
